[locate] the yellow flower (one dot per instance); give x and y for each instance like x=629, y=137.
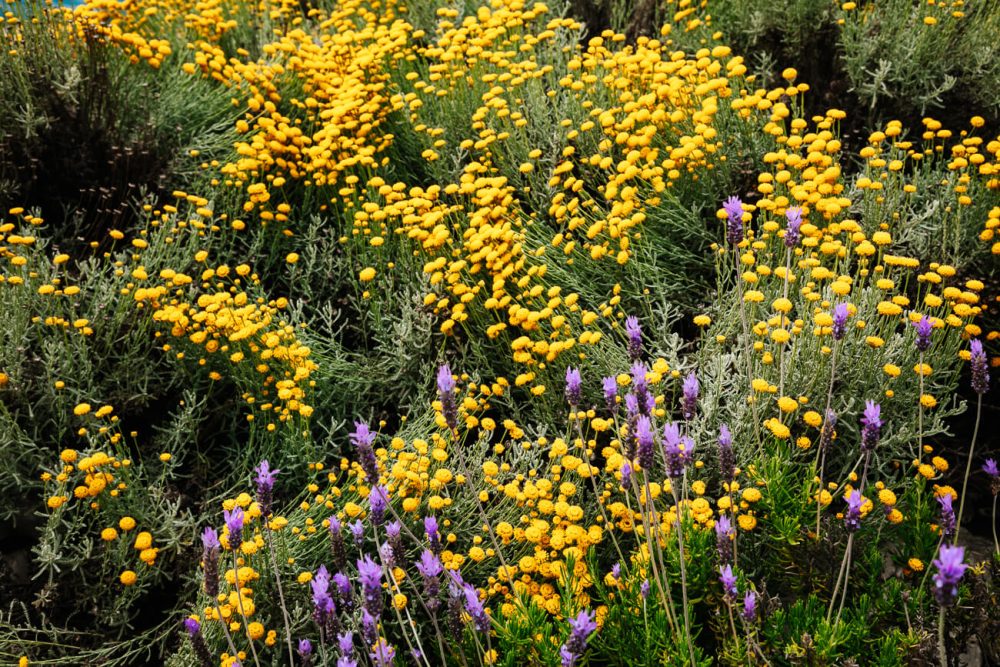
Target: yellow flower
x=292, y=257
x=126, y=523
x=109, y=534
x=926, y=471
x=887, y=497
x=813, y=418
x=255, y=630
x=751, y=495
x=165, y=456
x=127, y=577
x=928, y=401
x=81, y=409
x=916, y=564
x=747, y=522
x=367, y=275
x=940, y=464
x=702, y=320
x=787, y=404
x=143, y=541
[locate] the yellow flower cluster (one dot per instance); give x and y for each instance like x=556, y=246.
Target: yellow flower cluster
x=224, y=321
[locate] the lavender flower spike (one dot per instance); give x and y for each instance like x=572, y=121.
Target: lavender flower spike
x=363, y=440
x=634, y=333
x=610, y=385
x=855, y=501
x=305, y=650
x=690, y=400
x=724, y=535
x=210, y=560
x=573, y=386
x=840, y=314
x=727, y=459
x=644, y=438
x=950, y=568
x=370, y=574
x=750, y=607
x=924, y=329
x=265, y=486
x=378, y=498
x=871, y=425
x=193, y=628
x=728, y=580
x=446, y=392
x=581, y=628
x=234, y=522
x=949, y=522
x=734, y=225
x=383, y=655
x=980, y=368
x=793, y=231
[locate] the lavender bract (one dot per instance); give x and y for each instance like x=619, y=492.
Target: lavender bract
x=949, y=522
x=728, y=580
x=363, y=440
x=727, y=459
x=852, y=518
x=575, y=646
x=610, y=386
x=950, y=569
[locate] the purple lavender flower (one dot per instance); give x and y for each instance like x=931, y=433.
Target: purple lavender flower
x=677, y=450
x=631, y=405
x=193, y=628
x=728, y=580
x=924, y=328
x=724, y=534
x=734, y=213
x=210, y=560
x=357, y=532
x=634, y=332
x=949, y=521
x=826, y=432
x=626, y=473
x=750, y=606
x=474, y=606
x=644, y=589
x=950, y=568
x=305, y=650
x=345, y=644
x=727, y=459
x=265, y=486
x=980, y=367
x=378, y=499
x=363, y=440
x=234, y=522
x=644, y=438
x=446, y=392
x=574, y=384
x=383, y=655
x=324, y=608
x=793, y=231
x=346, y=662
x=369, y=627
x=840, y=314
x=871, y=425
x=337, y=543
x=610, y=394
x=641, y=388
x=855, y=501
x=433, y=535
x=342, y=587
x=990, y=468
x=616, y=571
x=430, y=569
x=581, y=628
x=689, y=403
x=456, y=597
x=370, y=574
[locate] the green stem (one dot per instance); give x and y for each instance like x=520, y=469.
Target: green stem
x=968, y=469
x=942, y=652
